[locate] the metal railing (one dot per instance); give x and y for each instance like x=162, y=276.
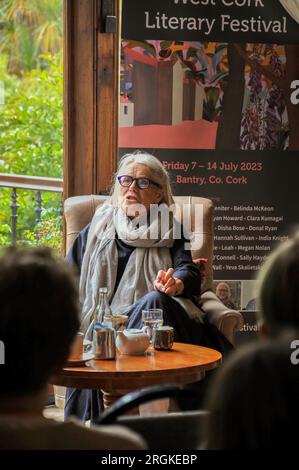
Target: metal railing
x=31, y=183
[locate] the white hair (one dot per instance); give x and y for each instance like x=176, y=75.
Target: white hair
x=160, y=175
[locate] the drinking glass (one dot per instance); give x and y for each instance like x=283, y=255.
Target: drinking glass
x=152, y=319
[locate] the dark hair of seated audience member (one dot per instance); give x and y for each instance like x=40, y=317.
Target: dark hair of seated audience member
x=38, y=318
x=253, y=400
x=278, y=296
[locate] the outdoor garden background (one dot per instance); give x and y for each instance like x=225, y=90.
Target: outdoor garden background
x=31, y=114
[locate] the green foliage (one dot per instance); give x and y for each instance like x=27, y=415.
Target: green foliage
x=31, y=118
x=29, y=28
x=31, y=126
x=49, y=231
x=10, y=82
x=31, y=122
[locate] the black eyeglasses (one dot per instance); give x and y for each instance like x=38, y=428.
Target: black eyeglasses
x=142, y=183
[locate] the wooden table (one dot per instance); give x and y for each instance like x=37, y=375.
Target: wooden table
x=184, y=364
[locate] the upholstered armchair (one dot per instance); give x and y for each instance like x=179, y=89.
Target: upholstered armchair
x=79, y=211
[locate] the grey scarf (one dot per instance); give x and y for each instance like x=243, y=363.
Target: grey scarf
x=99, y=267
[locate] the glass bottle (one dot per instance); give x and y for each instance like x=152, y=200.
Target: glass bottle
x=103, y=311
x=103, y=332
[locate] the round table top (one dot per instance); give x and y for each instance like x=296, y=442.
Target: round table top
x=185, y=363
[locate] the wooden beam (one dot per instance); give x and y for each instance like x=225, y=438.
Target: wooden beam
x=79, y=96
x=91, y=74
x=107, y=101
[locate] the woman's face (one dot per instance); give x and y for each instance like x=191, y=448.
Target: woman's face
x=133, y=195
x=222, y=291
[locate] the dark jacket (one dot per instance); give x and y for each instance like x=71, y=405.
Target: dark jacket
x=184, y=268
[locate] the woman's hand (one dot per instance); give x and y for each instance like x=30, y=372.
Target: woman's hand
x=167, y=283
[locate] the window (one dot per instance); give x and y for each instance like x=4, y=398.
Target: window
x=31, y=120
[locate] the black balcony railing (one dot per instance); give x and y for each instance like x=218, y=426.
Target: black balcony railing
x=31, y=183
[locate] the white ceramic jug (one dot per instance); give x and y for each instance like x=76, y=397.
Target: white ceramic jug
x=132, y=341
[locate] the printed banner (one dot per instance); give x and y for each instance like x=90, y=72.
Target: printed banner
x=211, y=88
x=209, y=20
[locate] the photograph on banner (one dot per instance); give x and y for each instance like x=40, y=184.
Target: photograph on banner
x=211, y=88
x=229, y=292
x=248, y=295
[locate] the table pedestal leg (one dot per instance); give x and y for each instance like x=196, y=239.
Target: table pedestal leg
x=111, y=396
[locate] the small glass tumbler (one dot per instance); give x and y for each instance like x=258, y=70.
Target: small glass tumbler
x=152, y=319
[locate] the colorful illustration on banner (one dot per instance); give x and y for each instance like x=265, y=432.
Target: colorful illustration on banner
x=192, y=95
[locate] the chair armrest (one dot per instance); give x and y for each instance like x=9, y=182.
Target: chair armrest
x=226, y=320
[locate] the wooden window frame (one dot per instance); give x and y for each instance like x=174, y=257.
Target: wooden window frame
x=91, y=71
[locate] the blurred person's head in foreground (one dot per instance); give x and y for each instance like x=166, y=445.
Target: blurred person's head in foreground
x=253, y=400
x=278, y=289
x=38, y=322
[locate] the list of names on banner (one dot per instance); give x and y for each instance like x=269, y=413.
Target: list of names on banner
x=245, y=236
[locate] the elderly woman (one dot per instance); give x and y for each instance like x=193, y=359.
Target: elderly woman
x=224, y=294
x=141, y=259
